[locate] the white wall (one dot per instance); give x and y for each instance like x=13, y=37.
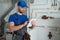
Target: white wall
x=43, y=27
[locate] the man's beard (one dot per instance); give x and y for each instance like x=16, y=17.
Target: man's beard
x=20, y=11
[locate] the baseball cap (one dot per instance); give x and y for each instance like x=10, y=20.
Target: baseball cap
x=22, y=4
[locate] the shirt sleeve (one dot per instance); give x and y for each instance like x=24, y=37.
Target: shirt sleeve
x=11, y=19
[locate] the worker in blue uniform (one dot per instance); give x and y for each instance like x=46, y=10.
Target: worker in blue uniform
x=18, y=21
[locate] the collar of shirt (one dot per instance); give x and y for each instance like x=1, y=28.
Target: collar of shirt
x=19, y=13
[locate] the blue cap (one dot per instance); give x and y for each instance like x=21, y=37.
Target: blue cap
x=22, y=4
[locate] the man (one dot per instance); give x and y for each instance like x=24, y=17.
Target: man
x=18, y=21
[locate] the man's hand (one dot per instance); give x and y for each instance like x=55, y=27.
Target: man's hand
x=33, y=22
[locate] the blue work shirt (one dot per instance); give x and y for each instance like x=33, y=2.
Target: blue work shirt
x=22, y=19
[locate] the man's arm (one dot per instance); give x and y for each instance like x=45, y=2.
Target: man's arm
x=15, y=28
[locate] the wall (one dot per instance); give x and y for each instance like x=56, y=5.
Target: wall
x=43, y=27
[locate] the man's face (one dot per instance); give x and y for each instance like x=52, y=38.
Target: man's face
x=21, y=9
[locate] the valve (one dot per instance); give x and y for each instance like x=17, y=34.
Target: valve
x=49, y=35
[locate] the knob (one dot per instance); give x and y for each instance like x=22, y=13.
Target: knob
x=49, y=35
